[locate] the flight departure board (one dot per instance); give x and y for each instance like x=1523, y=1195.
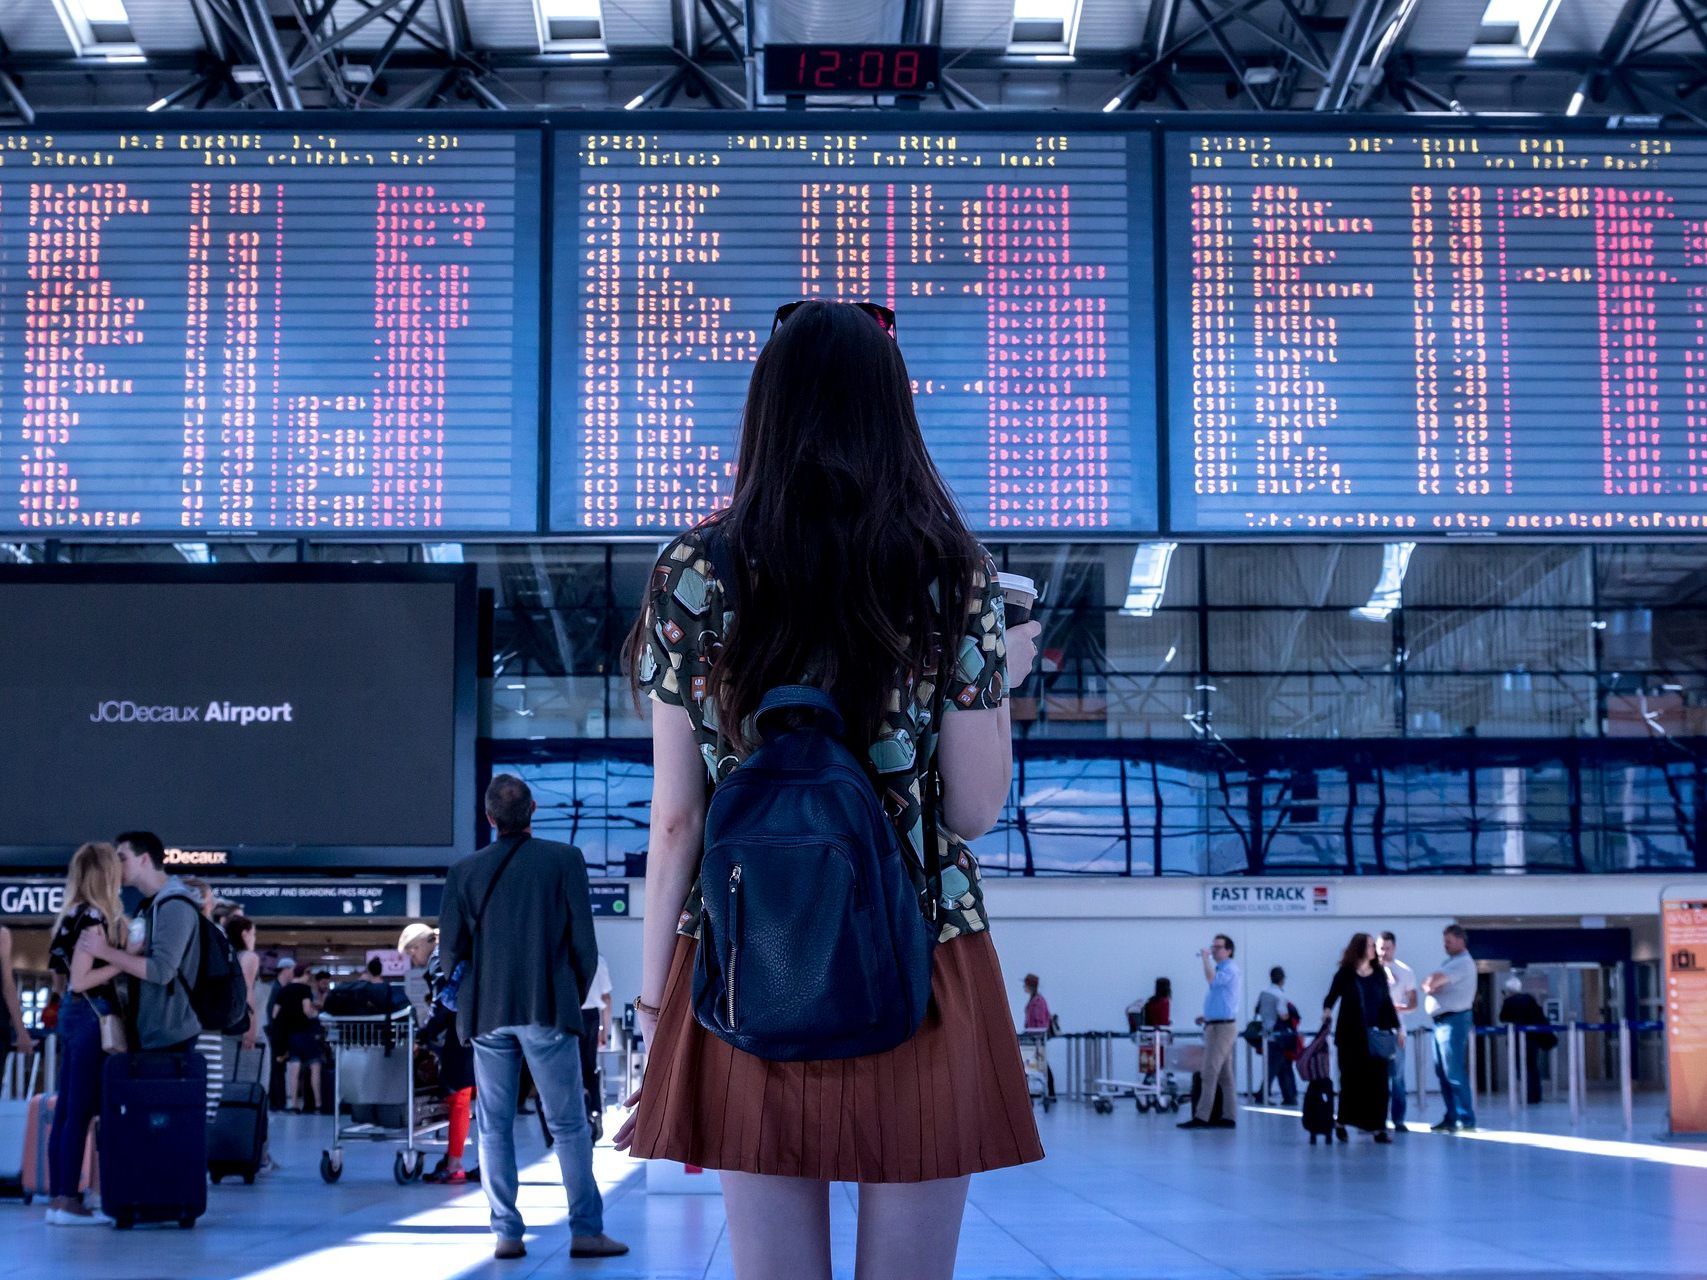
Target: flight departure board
x=1400, y=332
x=1019, y=264
x=260, y=330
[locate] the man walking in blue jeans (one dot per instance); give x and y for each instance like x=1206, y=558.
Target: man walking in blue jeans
x=518, y=913
x=1450, y=993
x=1407, y=1002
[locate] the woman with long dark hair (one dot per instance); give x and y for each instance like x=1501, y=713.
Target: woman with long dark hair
x=845, y=553
x=1366, y=1035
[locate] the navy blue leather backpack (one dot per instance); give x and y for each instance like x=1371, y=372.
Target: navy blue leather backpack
x=814, y=943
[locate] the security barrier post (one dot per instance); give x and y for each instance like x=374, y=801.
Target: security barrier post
x=1626, y=1086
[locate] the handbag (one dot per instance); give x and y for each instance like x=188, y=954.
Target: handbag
x=114, y=1037
x=1383, y=1043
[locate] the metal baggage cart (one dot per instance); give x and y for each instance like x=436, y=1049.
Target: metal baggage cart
x=423, y=1109
x=1165, y=1060
x=1034, y=1052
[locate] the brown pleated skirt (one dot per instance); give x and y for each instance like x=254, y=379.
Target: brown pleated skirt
x=950, y=1101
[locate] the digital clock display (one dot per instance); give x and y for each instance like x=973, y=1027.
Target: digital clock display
x=851, y=68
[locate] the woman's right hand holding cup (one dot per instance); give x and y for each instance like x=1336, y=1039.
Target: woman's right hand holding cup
x=1022, y=651
x=1020, y=595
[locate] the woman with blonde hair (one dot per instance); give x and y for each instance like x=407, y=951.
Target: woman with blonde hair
x=420, y=942
x=91, y=902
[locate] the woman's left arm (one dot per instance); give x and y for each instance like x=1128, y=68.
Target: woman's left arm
x=87, y=974
x=250, y=963
x=92, y=944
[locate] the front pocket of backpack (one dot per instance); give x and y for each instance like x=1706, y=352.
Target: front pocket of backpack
x=798, y=956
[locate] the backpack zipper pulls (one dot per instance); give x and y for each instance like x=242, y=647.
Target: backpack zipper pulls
x=734, y=935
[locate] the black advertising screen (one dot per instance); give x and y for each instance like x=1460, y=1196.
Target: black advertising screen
x=1019, y=265
x=262, y=329
x=1408, y=332
x=309, y=717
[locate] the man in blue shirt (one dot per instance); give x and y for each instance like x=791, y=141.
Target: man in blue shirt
x=1220, y=1035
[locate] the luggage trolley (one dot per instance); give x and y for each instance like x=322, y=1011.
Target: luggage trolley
x=422, y=1109
x=1034, y=1052
x=1163, y=1077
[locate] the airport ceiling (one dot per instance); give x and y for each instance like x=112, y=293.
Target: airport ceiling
x=1589, y=57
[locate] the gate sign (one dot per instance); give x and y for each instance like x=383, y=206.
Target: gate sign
x=1684, y=921
x=1269, y=898
x=31, y=898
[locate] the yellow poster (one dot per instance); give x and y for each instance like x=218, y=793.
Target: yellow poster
x=1685, y=924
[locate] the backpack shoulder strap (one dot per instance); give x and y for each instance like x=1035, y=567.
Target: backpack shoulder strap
x=492, y=884
x=185, y=966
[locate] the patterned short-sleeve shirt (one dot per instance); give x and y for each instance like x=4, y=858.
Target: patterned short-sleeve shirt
x=686, y=618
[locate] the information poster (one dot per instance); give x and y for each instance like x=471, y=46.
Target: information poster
x=1685, y=926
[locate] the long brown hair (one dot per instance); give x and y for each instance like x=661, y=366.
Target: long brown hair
x=839, y=525
x=1357, y=951
x=93, y=880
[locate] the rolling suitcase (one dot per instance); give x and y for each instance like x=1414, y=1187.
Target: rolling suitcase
x=237, y=1140
x=1319, y=1110
x=154, y=1138
x=34, y=1180
x=18, y=1125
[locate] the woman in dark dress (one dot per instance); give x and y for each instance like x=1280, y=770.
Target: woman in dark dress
x=1360, y=991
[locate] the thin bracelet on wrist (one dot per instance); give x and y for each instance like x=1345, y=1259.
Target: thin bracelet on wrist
x=650, y=1009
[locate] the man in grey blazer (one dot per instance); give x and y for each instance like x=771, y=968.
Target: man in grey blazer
x=518, y=913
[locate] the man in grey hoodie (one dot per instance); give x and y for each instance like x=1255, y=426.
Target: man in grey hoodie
x=169, y=956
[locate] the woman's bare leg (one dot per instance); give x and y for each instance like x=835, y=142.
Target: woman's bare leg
x=910, y=1229
x=779, y=1227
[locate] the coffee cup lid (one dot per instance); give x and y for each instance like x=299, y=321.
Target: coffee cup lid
x=1018, y=581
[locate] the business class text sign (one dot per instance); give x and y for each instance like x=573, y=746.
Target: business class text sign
x=1269, y=898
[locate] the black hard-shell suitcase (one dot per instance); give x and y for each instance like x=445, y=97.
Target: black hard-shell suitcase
x=154, y=1138
x=1319, y=1110
x=237, y=1141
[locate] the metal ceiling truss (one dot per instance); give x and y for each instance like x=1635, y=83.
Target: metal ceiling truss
x=1271, y=55
x=1267, y=55
x=1643, y=30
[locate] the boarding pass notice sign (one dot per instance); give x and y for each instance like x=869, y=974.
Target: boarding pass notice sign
x=1684, y=927
x=1269, y=898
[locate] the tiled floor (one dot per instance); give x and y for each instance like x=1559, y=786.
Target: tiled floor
x=1120, y=1196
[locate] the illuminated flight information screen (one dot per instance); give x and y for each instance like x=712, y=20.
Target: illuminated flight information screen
x=1437, y=333
x=264, y=330
x=1019, y=264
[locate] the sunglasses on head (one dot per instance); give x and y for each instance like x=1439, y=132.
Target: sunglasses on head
x=883, y=315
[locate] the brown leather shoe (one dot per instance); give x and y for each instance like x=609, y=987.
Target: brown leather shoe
x=596, y=1247
x=508, y=1248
